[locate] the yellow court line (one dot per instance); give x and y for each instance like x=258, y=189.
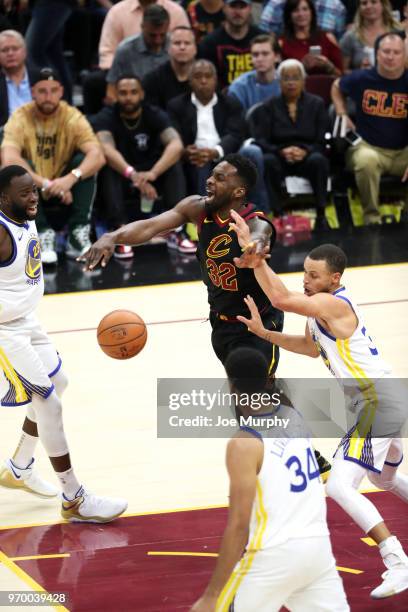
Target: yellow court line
x=150, y=513
x=35, y=557
x=178, y=553
x=162, y=553
x=20, y=573
x=369, y=541
x=349, y=570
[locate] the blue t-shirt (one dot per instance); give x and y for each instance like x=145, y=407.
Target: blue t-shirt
x=249, y=91
x=382, y=107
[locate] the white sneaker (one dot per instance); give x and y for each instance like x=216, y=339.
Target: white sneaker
x=395, y=580
x=78, y=242
x=25, y=480
x=47, y=242
x=89, y=508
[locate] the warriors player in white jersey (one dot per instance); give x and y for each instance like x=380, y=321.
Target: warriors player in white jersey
x=336, y=331
x=30, y=367
x=277, y=512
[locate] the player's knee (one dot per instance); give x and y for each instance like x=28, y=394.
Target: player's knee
x=381, y=482
x=60, y=381
x=336, y=489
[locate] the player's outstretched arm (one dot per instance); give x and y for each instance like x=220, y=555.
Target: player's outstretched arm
x=296, y=344
x=139, y=232
x=244, y=459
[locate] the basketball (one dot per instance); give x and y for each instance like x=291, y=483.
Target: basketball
x=121, y=334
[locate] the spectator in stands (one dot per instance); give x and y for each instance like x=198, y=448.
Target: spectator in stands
x=125, y=19
x=142, y=53
x=250, y=89
x=331, y=16
x=260, y=83
x=290, y=130
x=301, y=34
x=381, y=98
x=373, y=18
x=228, y=47
x=15, y=87
x=45, y=38
x=142, y=151
x=45, y=137
x=171, y=78
x=210, y=124
x=205, y=16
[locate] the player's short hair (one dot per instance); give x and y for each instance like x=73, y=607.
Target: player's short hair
x=334, y=257
x=129, y=76
x=247, y=171
x=8, y=173
x=247, y=370
x=156, y=15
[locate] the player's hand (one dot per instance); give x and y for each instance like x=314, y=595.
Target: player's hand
x=99, y=253
x=254, y=324
x=204, y=604
x=240, y=227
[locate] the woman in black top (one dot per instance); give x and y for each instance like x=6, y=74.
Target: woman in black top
x=290, y=129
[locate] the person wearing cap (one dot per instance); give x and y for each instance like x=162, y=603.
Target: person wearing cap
x=228, y=47
x=56, y=144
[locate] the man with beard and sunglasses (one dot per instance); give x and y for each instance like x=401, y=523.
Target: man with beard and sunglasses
x=32, y=375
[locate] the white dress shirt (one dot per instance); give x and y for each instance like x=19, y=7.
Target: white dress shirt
x=207, y=135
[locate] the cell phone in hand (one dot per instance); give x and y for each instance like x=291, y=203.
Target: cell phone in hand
x=352, y=137
x=315, y=50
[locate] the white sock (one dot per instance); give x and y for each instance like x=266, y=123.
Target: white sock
x=392, y=552
x=69, y=483
x=25, y=450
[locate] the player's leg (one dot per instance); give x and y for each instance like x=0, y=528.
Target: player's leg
x=342, y=486
x=325, y=592
x=390, y=479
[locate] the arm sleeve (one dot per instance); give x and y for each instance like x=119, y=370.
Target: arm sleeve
x=83, y=131
x=14, y=132
x=110, y=38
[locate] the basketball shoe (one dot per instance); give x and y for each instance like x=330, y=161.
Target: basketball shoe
x=395, y=580
x=89, y=508
x=13, y=477
x=324, y=466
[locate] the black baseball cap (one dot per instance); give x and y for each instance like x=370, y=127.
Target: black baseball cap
x=44, y=74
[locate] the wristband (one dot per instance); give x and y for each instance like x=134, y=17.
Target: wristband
x=128, y=171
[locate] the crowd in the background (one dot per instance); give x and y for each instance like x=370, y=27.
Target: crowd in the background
x=121, y=109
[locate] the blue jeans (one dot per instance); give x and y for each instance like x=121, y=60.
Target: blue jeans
x=45, y=40
x=259, y=194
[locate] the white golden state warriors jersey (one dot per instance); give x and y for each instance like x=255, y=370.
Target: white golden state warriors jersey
x=353, y=358
x=289, y=500
x=21, y=277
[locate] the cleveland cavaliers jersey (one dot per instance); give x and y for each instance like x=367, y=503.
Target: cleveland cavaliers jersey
x=290, y=501
x=21, y=278
x=227, y=285
x=352, y=358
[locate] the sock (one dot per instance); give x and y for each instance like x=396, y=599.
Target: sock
x=69, y=483
x=392, y=552
x=25, y=451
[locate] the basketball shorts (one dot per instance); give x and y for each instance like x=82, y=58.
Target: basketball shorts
x=28, y=361
x=370, y=453
x=299, y=574
x=229, y=335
